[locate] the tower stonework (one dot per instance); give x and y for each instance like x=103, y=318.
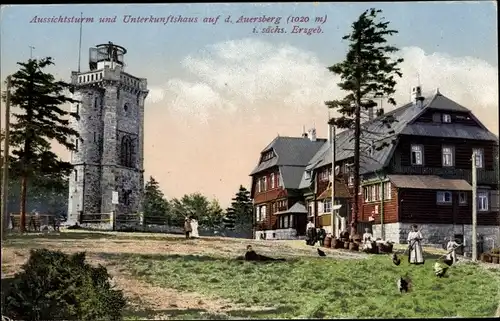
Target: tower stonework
x=109, y=154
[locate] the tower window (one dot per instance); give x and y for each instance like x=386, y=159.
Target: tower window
x=76, y=175
x=96, y=102
x=117, y=94
x=94, y=138
x=76, y=144
x=77, y=109
x=126, y=197
x=125, y=107
x=126, y=158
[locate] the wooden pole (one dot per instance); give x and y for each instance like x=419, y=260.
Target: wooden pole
x=5, y=176
x=334, y=232
x=474, y=208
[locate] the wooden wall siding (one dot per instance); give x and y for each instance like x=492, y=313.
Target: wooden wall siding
x=419, y=206
x=432, y=156
x=456, y=118
x=390, y=209
x=268, y=192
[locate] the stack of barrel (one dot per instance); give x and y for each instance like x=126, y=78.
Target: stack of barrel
x=354, y=244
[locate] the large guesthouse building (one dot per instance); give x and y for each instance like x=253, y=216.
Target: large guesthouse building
x=418, y=170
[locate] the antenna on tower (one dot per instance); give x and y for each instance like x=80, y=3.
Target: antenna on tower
x=80, y=42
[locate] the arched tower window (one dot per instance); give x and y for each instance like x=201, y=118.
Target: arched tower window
x=126, y=154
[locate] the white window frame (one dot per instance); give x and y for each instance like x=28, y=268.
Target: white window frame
x=387, y=191
x=418, y=150
x=259, y=187
x=446, y=118
x=263, y=212
x=479, y=157
x=441, y=197
x=258, y=217
x=327, y=206
x=369, y=193
x=448, y=151
x=264, y=183
x=378, y=192
x=462, y=198
x=280, y=181
x=350, y=180
x=483, y=201
x=273, y=181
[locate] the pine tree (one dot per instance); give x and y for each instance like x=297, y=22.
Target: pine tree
x=240, y=213
x=39, y=96
x=367, y=73
x=229, y=219
x=155, y=206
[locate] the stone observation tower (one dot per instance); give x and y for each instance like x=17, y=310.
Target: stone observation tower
x=109, y=157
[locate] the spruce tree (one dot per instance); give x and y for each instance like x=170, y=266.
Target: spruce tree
x=42, y=120
x=240, y=213
x=155, y=206
x=367, y=73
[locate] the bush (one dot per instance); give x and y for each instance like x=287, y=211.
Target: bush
x=58, y=286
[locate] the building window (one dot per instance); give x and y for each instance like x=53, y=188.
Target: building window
x=95, y=137
x=280, y=182
x=387, y=191
x=77, y=144
x=126, y=156
x=76, y=175
x=376, y=192
x=96, y=102
x=367, y=193
x=482, y=201
x=264, y=183
x=77, y=111
x=446, y=118
x=263, y=212
x=258, y=185
x=350, y=182
x=479, y=152
x=462, y=198
x=417, y=152
x=273, y=181
x=125, y=107
x=444, y=197
x=447, y=152
x=310, y=209
x=327, y=206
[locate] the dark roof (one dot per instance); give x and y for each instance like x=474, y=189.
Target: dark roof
x=292, y=156
x=429, y=182
x=297, y=155
x=404, y=125
x=297, y=208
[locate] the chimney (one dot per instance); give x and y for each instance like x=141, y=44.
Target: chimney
x=416, y=96
x=312, y=134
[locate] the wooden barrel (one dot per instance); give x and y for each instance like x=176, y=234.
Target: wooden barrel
x=356, y=238
x=346, y=245
x=495, y=259
x=353, y=246
x=485, y=257
x=339, y=244
x=328, y=241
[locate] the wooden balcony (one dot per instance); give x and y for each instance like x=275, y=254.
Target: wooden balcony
x=489, y=177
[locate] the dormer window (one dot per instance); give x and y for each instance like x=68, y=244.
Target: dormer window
x=308, y=174
x=267, y=156
x=446, y=118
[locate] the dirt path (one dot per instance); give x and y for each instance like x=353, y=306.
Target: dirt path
x=140, y=295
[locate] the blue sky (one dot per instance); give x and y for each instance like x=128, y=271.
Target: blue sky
x=461, y=29
x=219, y=93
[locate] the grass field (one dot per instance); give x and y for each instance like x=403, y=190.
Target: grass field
x=169, y=277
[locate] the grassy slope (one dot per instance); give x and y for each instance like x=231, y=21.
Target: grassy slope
x=356, y=289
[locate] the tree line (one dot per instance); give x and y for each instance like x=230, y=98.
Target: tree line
x=157, y=209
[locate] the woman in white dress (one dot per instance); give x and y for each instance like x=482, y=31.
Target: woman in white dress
x=194, y=227
x=416, y=255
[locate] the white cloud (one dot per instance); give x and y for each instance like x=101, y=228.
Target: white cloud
x=253, y=73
